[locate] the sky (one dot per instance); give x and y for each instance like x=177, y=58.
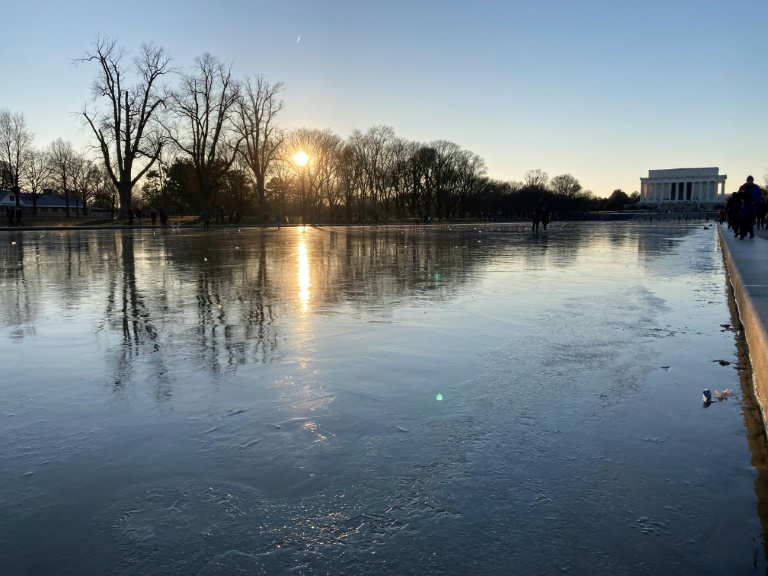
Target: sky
x=601, y=90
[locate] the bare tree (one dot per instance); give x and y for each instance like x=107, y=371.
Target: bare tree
x=351, y=180
x=261, y=139
x=5, y=180
x=537, y=179
x=84, y=182
x=399, y=178
x=470, y=180
x=37, y=175
x=372, y=154
x=63, y=162
x=446, y=174
x=328, y=173
x=15, y=145
x=105, y=193
x=279, y=187
x=565, y=186
x=203, y=110
x=125, y=125
x=423, y=174
x=323, y=149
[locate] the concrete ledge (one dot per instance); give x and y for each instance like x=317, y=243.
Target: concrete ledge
x=747, y=264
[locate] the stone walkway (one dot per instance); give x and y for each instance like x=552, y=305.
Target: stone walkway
x=747, y=263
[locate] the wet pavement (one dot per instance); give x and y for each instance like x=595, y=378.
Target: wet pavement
x=405, y=400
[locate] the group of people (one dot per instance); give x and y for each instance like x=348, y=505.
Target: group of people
x=14, y=214
x=138, y=214
x=540, y=216
x=234, y=216
x=746, y=209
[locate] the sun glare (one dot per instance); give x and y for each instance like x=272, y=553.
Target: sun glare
x=301, y=158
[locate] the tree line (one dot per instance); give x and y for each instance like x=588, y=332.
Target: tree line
x=212, y=141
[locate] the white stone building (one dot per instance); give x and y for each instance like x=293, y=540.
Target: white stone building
x=702, y=186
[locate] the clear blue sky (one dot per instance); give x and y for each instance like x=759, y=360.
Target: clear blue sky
x=603, y=90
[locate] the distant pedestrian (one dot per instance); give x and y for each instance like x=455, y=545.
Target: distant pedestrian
x=761, y=211
x=163, y=217
x=732, y=207
x=535, y=219
x=19, y=214
x=206, y=220
x=138, y=217
x=153, y=216
x=11, y=214
x=753, y=189
x=544, y=217
x=747, y=217
x=130, y=216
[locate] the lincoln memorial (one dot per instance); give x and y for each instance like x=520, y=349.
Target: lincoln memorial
x=695, y=185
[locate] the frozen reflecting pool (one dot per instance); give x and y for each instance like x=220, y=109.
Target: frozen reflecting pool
x=402, y=400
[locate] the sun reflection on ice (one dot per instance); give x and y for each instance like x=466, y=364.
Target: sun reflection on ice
x=313, y=429
x=304, y=283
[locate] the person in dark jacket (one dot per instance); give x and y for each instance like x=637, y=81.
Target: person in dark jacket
x=732, y=207
x=535, y=219
x=761, y=210
x=747, y=217
x=751, y=188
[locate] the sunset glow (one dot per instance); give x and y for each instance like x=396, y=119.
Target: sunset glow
x=301, y=158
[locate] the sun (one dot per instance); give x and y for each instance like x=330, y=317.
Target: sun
x=301, y=158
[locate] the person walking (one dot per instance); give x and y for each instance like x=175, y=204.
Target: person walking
x=535, y=219
x=747, y=217
x=721, y=216
x=138, y=217
x=153, y=216
x=752, y=189
x=761, y=212
x=206, y=220
x=732, y=207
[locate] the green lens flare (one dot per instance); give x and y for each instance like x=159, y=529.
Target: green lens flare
x=439, y=397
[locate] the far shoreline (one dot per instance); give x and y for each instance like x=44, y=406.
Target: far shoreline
x=191, y=223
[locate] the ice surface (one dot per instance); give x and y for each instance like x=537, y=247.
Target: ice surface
x=404, y=400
